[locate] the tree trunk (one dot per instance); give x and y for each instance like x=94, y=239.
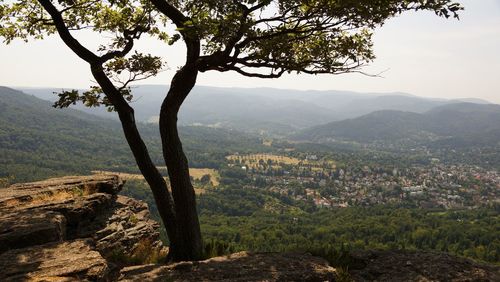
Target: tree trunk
x=151, y=174
x=188, y=242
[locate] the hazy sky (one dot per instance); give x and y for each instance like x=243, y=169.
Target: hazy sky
x=423, y=55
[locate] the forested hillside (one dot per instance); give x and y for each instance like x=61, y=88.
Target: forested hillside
x=460, y=124
x=38, y=141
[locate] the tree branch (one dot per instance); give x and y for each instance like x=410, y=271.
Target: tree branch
x=65, y=35
x=179, y=19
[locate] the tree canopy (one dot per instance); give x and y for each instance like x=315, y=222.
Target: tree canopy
x=263, y=39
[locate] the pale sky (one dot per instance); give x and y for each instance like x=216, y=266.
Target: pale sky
x=422, y=54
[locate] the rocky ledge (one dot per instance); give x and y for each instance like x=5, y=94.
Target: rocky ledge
x=80, y=229
x=418, y=266
x=71, y=228
x=383, y=266
x=241, y=266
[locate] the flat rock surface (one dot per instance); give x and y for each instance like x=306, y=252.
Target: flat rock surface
x=54, y=209
x=25, y=228
x=66, y=261
x=367, y=266
x=241, y=266
x=419, y=266
x=24, y=195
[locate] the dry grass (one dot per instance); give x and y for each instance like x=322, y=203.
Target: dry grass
x=58, y=196
x=199, y=191
x=196, y=173
x=44, y=198
x=144, y=252
x=122, y=175
x=4, y=182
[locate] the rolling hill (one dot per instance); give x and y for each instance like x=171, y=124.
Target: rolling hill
x=458, y=124
x=263, y=110
x=38, y=141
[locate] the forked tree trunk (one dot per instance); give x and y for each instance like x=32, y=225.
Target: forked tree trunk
x=153, y=177
x=148, y=169
x=187, y=244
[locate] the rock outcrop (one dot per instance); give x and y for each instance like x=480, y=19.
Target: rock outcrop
x=70, y=228
x=419, y=266
x=241, y=266
x=380, y=266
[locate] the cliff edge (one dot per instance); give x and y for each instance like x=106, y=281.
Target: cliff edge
x=71, y=228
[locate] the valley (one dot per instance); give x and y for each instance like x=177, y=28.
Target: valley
x=268, y=192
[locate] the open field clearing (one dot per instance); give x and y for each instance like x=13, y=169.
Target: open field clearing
x=122, y=175
x=131, y=176
x=196, y=173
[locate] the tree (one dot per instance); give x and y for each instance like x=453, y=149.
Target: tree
x=205, y=179
x=255, y=38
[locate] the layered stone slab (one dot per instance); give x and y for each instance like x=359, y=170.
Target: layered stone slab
x=65, y=261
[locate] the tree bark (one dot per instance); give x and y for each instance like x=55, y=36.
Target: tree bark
x=188, y=243
x=151, y=174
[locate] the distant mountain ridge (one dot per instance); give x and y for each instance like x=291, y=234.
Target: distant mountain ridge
x=460, y=124
x=264, y=110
